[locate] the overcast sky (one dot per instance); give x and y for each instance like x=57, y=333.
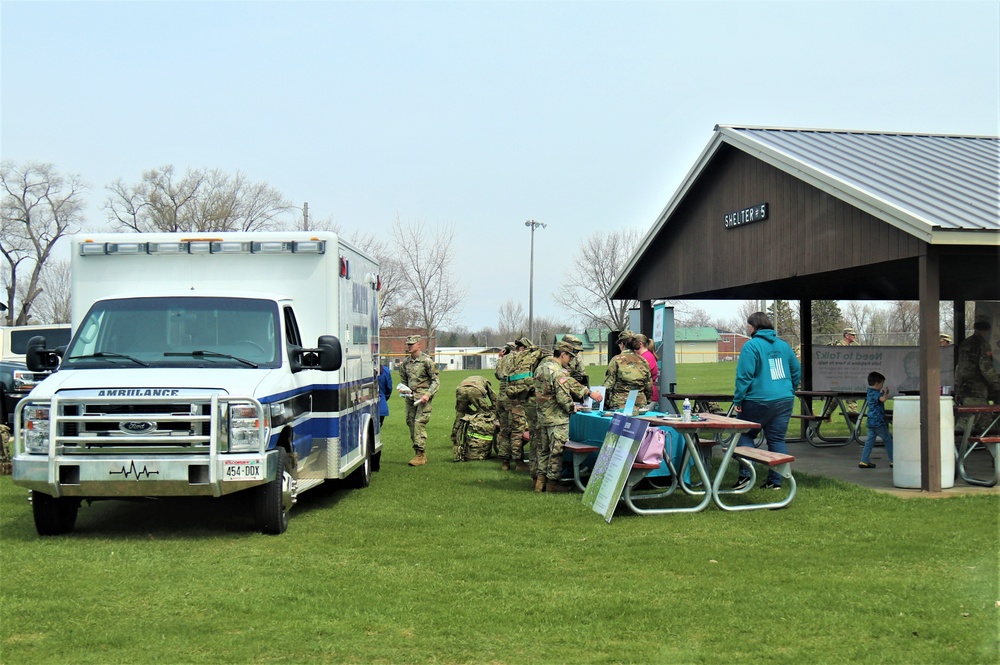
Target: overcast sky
x=480, y=116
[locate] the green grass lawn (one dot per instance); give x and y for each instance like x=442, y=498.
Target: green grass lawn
x=461, y=563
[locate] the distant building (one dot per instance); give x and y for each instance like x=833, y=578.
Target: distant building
x=595, y=345
x=466, y=357
x=730, y=345
x=392, y=343
x=699, y=344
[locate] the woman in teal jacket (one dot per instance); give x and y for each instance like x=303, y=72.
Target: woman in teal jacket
x=767, y=375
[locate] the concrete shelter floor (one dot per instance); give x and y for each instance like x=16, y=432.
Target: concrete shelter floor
x=841, y=463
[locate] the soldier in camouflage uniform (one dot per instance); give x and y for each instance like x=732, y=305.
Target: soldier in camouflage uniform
x=5, y=463
x=474, y=431
x=554, y=404
x=503, y=370
x=420, y=375
x=575, y=367
x=976, y=377
x=627, y=371
x=521, y=391
x=849, y=339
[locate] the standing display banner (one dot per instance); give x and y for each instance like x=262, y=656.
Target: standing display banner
x=614, y=463
x=846, y=368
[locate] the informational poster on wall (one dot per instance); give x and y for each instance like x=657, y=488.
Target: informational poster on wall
x=618, y=452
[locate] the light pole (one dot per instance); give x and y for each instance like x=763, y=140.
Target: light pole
x=532, y=224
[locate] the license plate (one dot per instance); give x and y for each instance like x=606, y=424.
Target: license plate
x=242, y=470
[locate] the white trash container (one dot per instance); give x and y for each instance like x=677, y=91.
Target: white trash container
x=906, y=442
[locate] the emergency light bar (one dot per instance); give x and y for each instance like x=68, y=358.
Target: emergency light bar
x=204, y=246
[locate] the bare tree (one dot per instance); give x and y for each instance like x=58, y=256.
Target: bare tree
x=693, y=318
x=427, y=285
x=904, y=317
x=37, y=208
x=52, y=304
x=197, y=201
x=857, y=315
x=597, y=264
x=513, y=322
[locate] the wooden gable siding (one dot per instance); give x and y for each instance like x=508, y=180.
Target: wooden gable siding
x=807, y=232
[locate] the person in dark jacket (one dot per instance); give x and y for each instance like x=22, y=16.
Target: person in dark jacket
x=767, y=375
x=384, y=392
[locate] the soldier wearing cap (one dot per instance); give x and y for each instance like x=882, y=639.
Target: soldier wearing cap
x=521, y=392
x=554, y=404
x=575, y=367
x=505, y=363
x=627, y=371
x=849, y=339
x=976, y=377
x=420, y=375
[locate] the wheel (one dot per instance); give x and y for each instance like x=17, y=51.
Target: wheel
x=53, y=515
x=377, y=461
x=275, y=499
x=361, y=477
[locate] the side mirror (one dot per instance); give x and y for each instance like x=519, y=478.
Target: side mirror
x=38, y=358
x=331, y=355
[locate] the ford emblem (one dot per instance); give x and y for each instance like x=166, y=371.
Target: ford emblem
x=137, y=426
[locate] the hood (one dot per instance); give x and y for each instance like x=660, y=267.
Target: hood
x=766, y=334
x=198, y=381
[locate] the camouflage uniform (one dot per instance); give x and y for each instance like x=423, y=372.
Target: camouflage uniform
x=421, y=375
x=521, y=390
x=555, y=404
x=472, y=435
x=852, y=405
x=627, y=371
x=503, y=370
x=977, y=378
x=5, y=462
x=575, y=368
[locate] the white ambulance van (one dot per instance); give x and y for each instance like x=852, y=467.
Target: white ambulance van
x=204, y=364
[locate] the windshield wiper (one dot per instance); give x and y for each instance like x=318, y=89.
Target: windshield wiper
x=212, y=354
x=105, y=354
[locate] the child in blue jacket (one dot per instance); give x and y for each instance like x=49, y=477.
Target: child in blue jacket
x=878, y=392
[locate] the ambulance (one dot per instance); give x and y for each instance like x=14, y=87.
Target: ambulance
x=205, y=364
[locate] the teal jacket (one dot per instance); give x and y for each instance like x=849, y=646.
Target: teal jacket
x=767, y=371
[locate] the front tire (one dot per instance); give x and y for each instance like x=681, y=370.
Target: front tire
x=54, y=516
x=274, y=500
x=361, y=477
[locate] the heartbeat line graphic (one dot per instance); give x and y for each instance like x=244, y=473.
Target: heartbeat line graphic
x=132, y=470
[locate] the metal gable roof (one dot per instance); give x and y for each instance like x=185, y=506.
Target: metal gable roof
x=942, y=189
x=917, y=182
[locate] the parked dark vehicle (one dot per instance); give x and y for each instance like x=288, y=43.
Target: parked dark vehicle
x=16, y=381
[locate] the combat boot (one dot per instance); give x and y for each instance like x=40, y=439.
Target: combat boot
x=540, y=484
x=555, y=486
x=505, y=465
x=419, y=459
x=521, y=466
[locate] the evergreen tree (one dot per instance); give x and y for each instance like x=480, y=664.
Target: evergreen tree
x=826, y=318
x=785, y=321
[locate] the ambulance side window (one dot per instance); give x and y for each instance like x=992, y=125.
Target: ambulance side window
x=292, y=328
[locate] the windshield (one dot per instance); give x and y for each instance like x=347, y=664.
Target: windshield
x=177, y=332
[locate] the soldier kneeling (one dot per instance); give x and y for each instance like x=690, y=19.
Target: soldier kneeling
x=473, y=436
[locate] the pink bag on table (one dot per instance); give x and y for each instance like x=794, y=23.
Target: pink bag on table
x=651, y=447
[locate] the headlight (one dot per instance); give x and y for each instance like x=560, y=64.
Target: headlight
x=35, y=431
x=245, y=428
